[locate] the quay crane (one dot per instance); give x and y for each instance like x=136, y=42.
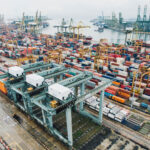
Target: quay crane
x=60, y=28
x=78, y=27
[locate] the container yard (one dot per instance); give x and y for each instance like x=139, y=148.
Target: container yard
x=67, y=91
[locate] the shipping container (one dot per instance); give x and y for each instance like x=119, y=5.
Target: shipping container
x=144, y=105
x=118, y=99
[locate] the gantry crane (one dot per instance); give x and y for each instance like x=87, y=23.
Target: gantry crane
x=62, y=26
x=78, y=27
x=138, y=76
x=42, y=94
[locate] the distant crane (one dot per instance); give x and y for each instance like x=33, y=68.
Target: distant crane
x=70, y=25
x=34, y=25
x=145, y=12
x=139, y=11
x=62, y=26
x=22, y=22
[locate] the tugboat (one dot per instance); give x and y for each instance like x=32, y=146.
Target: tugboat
x=45, y=24
x=101, y=27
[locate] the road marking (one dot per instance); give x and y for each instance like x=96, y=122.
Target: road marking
x=15, y=145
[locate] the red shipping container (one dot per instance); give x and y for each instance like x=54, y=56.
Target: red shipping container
x=121, y=76
x=90, y=87
x=147, y=91
x=115, y=70
x=124, y=91
x=115, y=64
x=97, y=74
x=68, y=66
x=95, y=81
x=110, y=91
x=123, y=86
x=114, y=88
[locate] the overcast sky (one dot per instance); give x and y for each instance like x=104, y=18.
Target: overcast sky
x=82, y=9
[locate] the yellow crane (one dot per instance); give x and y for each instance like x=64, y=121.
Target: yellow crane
x=78, y=27
x=101, y=57
x=135, y=73
x=146, y=73
x=30, y=58
x=84, y=51
x=55, y=55
x=142, y=73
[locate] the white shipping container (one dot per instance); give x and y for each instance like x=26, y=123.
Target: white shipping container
x=142, y=84
x=123, y=79
x=126, y=83
x=118, y=119
x=49, y=81
x=106, y=110
x=75, y=60
x=110, y=105
x=135, y=65
x=113, y=67
x=131, y=49
x=133, y=69
x=111, y=116
x=136, y=104
x=145, y=96
x=67, y=60
x=16, y=71
x=115, y=110
x=142, y=49
x=59, y=91
x=124, y=67
x=123, y=73
x=34, y=79
x=120, y=60
x=105, y=68
x=133, y=99
x=89, y=100
x=94, y=103
x=125, y=112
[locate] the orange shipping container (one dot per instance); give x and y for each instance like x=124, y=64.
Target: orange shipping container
x=125, y=95
x=3, y=88
x=68, y=75
x=116, y=83
x=118, y=99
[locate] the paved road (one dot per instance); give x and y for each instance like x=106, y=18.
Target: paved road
x=16, y=137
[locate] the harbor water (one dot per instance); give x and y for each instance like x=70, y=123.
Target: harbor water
x=111, y=35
